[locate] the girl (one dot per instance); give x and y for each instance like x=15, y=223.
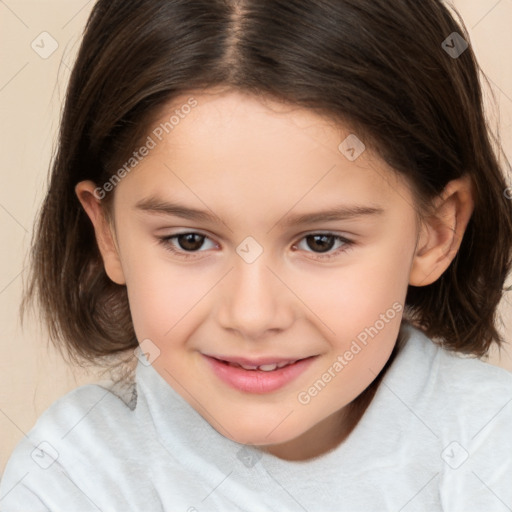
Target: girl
x=288, y=219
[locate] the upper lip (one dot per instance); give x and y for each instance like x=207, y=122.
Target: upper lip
x=259, y=361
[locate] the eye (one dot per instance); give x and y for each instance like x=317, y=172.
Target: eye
x=323, y=243
x=186, y=242
x=184, y=245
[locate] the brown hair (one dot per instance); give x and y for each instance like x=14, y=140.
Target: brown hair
x=378, y=67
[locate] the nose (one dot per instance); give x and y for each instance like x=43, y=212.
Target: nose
x=254, y=301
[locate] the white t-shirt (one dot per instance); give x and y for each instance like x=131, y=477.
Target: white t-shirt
x=437, y=436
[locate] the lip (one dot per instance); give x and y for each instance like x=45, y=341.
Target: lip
x=257, y=381
x=257, y=361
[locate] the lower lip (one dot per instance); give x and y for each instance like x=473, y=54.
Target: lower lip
x=258, y=381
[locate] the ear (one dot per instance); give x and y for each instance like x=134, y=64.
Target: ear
x=91, y=203
x=441, y=233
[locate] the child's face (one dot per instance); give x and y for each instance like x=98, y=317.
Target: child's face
x=256, y=289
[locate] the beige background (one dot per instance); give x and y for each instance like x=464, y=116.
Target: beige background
x=31, y=94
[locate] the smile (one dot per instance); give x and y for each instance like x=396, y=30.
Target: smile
x=263, y=367
x=258, y=376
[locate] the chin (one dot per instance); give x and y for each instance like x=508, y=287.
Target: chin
x=262, y=433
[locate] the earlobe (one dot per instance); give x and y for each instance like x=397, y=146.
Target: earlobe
x=441, y=233
x=85, y=191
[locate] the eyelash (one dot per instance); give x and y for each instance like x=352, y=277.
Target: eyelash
x=347, y=245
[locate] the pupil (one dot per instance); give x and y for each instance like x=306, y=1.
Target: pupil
x=187, y=242
x=326, y=242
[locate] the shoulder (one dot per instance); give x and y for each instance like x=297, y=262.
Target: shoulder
x=448, y=373
x=78, y=430
x=86, y=411
x=459, y=409
x=453, y=395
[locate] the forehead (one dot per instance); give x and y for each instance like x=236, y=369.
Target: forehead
x=247, y=123
x=254, y=151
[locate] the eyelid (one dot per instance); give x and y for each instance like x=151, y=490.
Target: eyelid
x=167, y=238
x=318, y=256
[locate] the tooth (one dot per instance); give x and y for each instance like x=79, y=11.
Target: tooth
x=267, y=367
x=264, y=367
x=280, y=365
x=248, y=366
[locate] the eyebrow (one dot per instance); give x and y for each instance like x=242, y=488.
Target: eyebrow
x=343, y=212
x=331, y=214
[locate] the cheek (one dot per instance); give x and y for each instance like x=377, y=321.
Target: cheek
x=361, y=307
x=374, y=313
x=349, y=298
x=160, y=293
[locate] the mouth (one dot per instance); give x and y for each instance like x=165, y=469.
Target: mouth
x=258, y=376
x=264, y=367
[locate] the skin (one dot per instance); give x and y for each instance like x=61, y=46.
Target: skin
x=254, y=164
